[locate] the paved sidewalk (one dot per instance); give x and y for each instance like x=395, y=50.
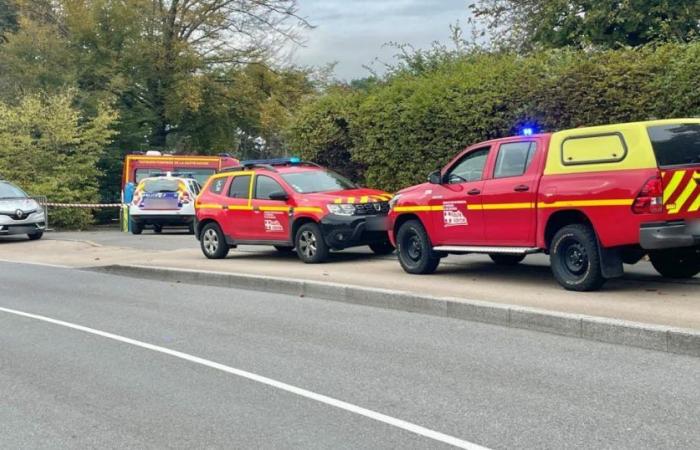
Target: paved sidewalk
x=641, y=296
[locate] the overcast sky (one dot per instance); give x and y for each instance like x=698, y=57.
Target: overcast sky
x=352, y=32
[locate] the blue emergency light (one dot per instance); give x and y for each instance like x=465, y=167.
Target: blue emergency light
x=272, y=162
x=527, y=131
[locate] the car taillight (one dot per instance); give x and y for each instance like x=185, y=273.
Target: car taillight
x=651, y=198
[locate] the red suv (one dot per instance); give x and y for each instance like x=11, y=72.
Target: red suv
x=289, y=204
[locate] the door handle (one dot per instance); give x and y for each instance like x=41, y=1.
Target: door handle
x=474, y=192
x=521, y=188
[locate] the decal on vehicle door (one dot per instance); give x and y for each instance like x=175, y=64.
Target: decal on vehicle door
x=272, y=224
x=453, y=215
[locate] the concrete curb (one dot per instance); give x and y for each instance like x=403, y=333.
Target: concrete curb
x=634, y=334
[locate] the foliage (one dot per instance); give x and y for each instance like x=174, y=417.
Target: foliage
x=47, y=148
x=414, y=121
x=527, y=24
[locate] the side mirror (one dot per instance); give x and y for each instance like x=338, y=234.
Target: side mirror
x=435, y=177
x=279, y=196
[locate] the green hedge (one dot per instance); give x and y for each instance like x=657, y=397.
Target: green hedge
x=395, y=132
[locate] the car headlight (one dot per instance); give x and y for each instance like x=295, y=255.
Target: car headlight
x=393, y=200
x=341, y=209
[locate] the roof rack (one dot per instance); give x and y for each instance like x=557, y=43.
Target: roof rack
x=269, y=164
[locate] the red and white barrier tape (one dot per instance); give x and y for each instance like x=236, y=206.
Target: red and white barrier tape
x=82, y=205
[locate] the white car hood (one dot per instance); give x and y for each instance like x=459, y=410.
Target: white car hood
x=26, y=205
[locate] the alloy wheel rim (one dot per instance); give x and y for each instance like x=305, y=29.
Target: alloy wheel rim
x=308, y=244
x=211, y=241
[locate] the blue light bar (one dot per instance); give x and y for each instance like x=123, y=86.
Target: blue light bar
x=272, y=162
x=527, y=131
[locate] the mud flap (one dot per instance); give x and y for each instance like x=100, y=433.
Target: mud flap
x=611, y=262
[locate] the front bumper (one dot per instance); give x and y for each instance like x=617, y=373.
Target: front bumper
x=25, y=228
x=674, y=234
x=350, y=231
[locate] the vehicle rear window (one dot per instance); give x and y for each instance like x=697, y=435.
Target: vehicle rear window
x=217, y=185
x=155, y=186
x=240, y=186
x=514, y=159
x=676, y=144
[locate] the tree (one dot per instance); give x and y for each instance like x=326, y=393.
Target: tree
x=8, y=18
x=47, y=148
x=525, y=24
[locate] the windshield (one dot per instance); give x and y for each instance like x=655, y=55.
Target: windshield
x=155, y=186
x=317, y=181
x=677, y=144
x=8, y=190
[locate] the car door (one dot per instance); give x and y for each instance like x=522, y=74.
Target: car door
x=270, y=217
x=238, y=211
x=510, y=195
x=456, y=202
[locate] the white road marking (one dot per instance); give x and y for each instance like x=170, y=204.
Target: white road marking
x=404, y=425
x=30, y=263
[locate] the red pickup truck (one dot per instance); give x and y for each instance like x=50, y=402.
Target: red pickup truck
x=592, y=198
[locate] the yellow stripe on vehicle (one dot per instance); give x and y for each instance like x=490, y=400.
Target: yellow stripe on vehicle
x=695, y=205
x=673, y=184
x=239, y=208
x=351, y=200
x=338, y=201
x=364, y=199
x=208, y=206
x=683, y=198
x=275, y=208
x=575, y=203
x=421, y=208
x=310, y=209
x=496, y=206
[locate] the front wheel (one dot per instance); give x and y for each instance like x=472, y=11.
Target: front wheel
x=382, y=248
x=416, y=253
x=213, y=242
x=676, y=263
x=35, y=236
x=575, y=258
x=311, y=247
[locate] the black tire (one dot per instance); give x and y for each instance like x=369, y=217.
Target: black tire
x=284, y=249
x=35, y=236
x=382, y=248
x=575, y=258
x=676, y=263
x=416, y=253
x=136, y=227
x=503, y=259
x=310, y=245
x=157, y=229
x=213, y=242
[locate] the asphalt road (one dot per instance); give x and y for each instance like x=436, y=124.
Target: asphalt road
x=496, y=387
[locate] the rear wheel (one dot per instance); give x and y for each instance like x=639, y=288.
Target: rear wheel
x=213, y=242
x=505, y=259
x=676, y=263
x=311, y=247
x=135, y=227
x=382, y=248
x=35, y=236
x=575, y=258
x=416, y=253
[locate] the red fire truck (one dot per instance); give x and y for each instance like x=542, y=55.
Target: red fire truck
x=140, y=166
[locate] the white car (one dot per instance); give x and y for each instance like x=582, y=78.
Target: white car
x=160, y=201
x=20, y=214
